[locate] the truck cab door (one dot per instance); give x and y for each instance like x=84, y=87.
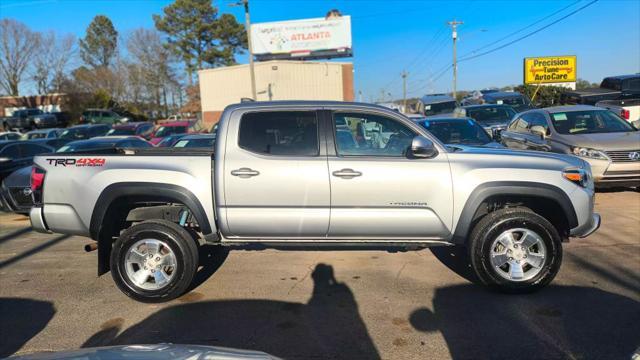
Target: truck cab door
x=275, y=178
x=377, y=190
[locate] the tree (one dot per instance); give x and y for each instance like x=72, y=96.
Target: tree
x=100, y=43
x=585, y=84
x=198, y=36
x=17, y=45
x=51, y=60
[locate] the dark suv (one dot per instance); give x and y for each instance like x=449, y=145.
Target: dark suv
x=21, y=119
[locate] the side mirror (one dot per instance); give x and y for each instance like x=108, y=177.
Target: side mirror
x=495, y=133
x=421, y=147
x=539, y=130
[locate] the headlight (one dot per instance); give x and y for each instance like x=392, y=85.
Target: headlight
x=589, y=153
x=578, y=176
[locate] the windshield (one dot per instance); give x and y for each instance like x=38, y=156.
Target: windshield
x=35, y=135
x=589, y=122
x=87, y=146
x=439, y=108
x=77, y=133
x=491, y=114
x=192, y=143
x=457, y=132
x=169, y=130
x=121, y=131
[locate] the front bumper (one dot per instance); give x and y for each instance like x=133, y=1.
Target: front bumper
x=587, y=228
x=611, y=173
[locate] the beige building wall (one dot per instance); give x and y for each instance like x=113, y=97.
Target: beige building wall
x=275, y=80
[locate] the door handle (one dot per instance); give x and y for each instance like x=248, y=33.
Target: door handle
x=346, y=173
x=245, y=173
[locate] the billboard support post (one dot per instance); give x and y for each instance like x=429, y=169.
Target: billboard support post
x=251, y=68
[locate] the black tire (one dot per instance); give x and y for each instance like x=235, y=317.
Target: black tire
x=491, y=226
x=179, y=241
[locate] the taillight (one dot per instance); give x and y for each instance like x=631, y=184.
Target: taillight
x=37, y=180
x=625, y=113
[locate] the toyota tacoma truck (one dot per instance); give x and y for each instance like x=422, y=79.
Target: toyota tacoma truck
x=307, y=175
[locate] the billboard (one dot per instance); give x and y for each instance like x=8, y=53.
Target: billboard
x=550, y=69
x=317, y=38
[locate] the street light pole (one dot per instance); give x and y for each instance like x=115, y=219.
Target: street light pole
x=247, y=21
x=454, y=35
x=404, y=91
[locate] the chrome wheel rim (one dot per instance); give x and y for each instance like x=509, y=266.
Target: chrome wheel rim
x=518, y=254
x=150, y=264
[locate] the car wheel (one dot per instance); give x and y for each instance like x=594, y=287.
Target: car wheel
x=154, y=261
x=515, y=250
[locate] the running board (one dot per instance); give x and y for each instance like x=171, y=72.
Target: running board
x=335, y=245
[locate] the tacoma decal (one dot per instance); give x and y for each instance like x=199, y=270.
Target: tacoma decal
x=92, y=162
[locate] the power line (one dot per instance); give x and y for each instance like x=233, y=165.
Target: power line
x=529, y=34
x=522, y=29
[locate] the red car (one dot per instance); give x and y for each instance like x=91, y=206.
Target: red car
x=174, y=128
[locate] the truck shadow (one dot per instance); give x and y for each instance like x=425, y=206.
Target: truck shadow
x=557, y=322
x=21, y=320
x=327, y=326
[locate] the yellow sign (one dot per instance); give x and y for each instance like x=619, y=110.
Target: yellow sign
x=550, y=69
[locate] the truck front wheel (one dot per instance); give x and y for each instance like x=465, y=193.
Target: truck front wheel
x=154, y=261
x=515, y=250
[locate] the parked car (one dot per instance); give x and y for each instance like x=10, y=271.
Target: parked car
x=10, y=135
x=49, y=120
x=621, y=87
x=494, y=118
x=15, y=190
x=104, y=143
x=173, y=128
x=170, y=140
x=20, y=119
x=142, y=129
x=459, y=131
x=42, y=134
x=608, y=143
x=279, y=177
x=519, y=102
x=198, y=140
x=475, y=98
x=626, y=109
x=80, y=132
x=436, y=104
x=17, y=154
x=101, y=116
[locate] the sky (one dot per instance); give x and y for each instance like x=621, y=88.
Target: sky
x=389, y=37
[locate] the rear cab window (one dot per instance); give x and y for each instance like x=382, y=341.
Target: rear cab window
x=292, y=133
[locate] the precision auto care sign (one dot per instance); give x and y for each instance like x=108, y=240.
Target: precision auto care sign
x=308, y=38
x=550, y=69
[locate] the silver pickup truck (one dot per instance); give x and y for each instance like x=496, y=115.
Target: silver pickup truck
x=315, y=174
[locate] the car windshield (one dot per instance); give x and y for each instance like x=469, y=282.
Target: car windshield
x=121, y=131
x=193, y=143
x=34, y=135
x=77, y=133
x=457, y=132
x=169, y=130
x=589, y=122
x=87, y=146
x=439, y=108
x=491, y=114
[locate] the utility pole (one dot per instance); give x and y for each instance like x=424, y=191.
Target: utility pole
x=404, y=90
x=247, y=21
x=454, y=34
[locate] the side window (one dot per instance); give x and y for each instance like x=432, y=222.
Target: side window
x=11, y=152
x=359, y=134
x=520, y=125
x=293, y=133
x=33, y=150
x=537, y=119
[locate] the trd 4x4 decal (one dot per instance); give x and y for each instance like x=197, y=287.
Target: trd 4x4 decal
x=78, y=162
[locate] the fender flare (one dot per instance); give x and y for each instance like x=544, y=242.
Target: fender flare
x=164, y=192
x=518, y=188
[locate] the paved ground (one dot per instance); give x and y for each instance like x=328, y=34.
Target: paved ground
x=348, y=305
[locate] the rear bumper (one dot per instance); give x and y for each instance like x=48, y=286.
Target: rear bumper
x=37, y=220
x=587, y=228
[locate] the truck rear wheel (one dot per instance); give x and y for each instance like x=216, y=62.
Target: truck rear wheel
x=154, y=261
x=515, y=250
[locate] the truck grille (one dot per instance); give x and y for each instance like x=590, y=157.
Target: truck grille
x=624, y=155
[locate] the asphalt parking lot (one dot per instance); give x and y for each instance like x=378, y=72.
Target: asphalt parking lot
x=324, y=304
